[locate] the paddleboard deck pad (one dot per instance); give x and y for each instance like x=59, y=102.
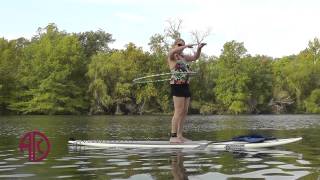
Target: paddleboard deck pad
x=210, y=145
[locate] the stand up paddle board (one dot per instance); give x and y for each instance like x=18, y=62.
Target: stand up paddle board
x=210, y=145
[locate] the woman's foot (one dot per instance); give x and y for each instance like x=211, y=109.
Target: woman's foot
x=175, y=140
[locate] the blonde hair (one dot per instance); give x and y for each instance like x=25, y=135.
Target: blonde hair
x=177, y=41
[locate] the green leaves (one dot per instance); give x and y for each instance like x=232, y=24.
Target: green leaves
x=61, y=73
x=9, y=63
x=231, y=84
x=94, y=42
x=47, y=84
x=111, y=75
x=314, y=49
x=312, y=103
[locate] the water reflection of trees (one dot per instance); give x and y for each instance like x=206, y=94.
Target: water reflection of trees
x=264, y=163
x=201, y=164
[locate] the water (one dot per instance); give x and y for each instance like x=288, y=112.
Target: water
x=299, y=160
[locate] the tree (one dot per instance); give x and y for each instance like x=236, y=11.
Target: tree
x=10, y=52
x=312, y=103
x=94, y=42
x=198, y=36
x=111, y=76
x=299, y=80
x=98, y=90
x=259, y=71
x=231, y=85
x=158, y=44
x=173, y=29
x=202, y=85
x=314, y=49
x=48, y=79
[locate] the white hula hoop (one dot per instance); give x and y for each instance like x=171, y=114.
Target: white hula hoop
x=143, y=79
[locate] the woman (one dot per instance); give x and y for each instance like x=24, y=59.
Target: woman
x=178, y=63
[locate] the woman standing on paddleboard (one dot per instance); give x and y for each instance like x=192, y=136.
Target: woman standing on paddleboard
x=179, y=67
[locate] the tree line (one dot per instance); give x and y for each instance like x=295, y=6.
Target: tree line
x=56, y=72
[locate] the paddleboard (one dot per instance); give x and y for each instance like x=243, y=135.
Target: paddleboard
x=210, y=145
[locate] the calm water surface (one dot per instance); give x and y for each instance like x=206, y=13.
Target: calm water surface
x=299, y=160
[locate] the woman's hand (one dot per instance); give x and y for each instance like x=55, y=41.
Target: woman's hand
x=190, y=45
x=201, y=45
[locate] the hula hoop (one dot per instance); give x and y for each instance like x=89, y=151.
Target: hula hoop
x=144, y=79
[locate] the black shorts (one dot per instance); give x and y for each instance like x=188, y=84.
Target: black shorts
x=180, y=90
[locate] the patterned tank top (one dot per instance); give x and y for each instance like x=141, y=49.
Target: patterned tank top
x=177, y=77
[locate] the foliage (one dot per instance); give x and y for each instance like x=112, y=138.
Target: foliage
x=231, y=84
x=66, y=73
x=94, y=42
x=313, y=102
x=46, y=84
x=10, y=52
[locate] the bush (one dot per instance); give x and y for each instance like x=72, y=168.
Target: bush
x=208, y=109
x=312, y=103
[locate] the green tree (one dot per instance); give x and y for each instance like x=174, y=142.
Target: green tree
x=231, y=85
x=111, y=76
x=47, y=75
x=259, y=71
x=314, y=49
x=95, y=41
x=312, y=103
x=10, y=52
x=98, y=89
x=281, y=98
x=202, y=85
x=158, y=44
x=300, y=81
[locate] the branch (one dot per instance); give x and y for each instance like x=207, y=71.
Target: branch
x=173, y=30
x=199, y=36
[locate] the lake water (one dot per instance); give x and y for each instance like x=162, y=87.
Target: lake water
x=300, y=160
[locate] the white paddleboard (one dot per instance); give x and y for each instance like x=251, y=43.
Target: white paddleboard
x=225, y=145
x=246, y=145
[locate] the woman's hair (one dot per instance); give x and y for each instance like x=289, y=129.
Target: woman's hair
x=177, y=41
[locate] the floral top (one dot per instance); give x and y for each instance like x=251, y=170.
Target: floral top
x=180, y=73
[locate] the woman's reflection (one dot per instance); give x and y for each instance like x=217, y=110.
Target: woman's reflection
x=178, y=170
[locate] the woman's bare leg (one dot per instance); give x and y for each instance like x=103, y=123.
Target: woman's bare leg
x=179, y=111
x=185, y=113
